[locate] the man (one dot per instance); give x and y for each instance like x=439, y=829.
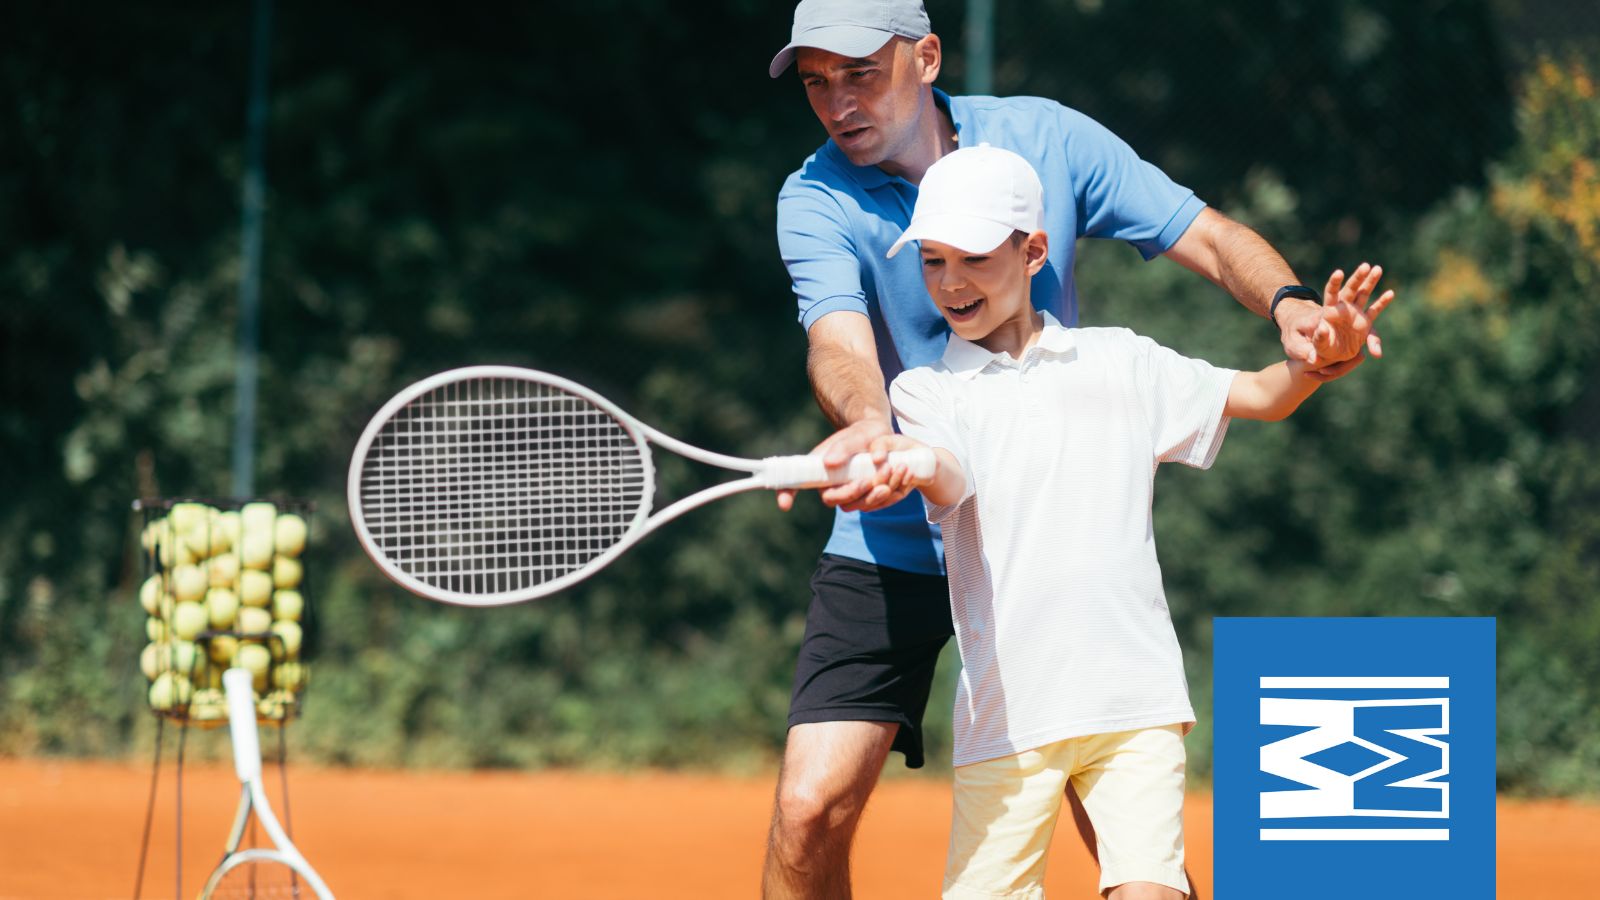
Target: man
x=880, y=613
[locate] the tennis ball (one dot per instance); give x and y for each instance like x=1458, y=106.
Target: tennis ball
x=290, y=633
x=189, y=619
x=150, y=536
x=222, y=607
x=223, y=571
x=289, y=534
x=287, y=605
x=231, y=524
x=189, y=583
x=222, y=649
x=184, y=655
x=257, y=659
x=286, y=572
x=156, y=629
x=208, y=705
x=252, y=620
x=258, y=518
x=289, y=676
x=168, y=690
x=255, y=587
x=185, y=517
x=150, y=595
x=255, y=549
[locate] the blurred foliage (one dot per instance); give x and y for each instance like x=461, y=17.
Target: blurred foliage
x=589, y=189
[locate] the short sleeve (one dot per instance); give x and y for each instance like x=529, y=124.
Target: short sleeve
x=815, y=241
x=1121, y=196
x=926, y=413
x=1184, y=399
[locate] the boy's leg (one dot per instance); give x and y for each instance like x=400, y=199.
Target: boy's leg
x=1131, y=784
x=1004, y=814
x=829, y=770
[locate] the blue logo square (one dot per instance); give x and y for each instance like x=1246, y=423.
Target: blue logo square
x=1354, y=758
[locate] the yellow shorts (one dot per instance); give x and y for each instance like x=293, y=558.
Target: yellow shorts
x=1130, y=782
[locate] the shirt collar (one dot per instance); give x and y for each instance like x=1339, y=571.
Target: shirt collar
x=871, y=177
x=966, y=359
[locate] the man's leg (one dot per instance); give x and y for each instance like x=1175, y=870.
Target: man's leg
x=829, y=770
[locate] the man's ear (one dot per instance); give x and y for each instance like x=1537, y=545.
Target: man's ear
x=1036, y=250
x=928, y=56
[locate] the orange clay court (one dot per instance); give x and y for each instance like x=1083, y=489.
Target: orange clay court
x=71, y=830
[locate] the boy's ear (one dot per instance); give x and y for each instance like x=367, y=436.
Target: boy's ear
x=1036, y=251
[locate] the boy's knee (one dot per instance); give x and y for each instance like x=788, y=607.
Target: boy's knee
x=1144, y=890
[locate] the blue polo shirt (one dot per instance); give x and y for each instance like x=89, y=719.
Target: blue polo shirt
x=836, y=221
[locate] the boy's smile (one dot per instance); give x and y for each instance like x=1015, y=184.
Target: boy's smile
x=986, y=296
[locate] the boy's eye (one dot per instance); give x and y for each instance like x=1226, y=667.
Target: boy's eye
x=929, y=262
x=974, y=260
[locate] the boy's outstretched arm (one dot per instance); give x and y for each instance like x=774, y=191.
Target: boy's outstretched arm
x=1278, y=390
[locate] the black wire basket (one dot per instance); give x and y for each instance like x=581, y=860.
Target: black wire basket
x=224, y=585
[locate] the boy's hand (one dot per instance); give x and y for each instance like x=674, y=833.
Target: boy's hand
x=1347, y=323
x=873, y=436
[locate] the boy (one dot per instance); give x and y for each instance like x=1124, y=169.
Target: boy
x=1047, y=441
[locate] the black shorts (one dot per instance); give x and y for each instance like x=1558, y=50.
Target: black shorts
x=873, y=637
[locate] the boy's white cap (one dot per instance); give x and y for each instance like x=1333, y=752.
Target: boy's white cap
x=974, y=198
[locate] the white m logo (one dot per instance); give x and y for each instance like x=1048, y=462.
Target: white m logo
x=1392, y=732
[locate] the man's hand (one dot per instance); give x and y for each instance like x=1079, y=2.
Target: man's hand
x=1329, y=338
x=873, y=436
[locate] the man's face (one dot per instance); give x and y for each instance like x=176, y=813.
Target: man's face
x=870, y=105
x=976, y=292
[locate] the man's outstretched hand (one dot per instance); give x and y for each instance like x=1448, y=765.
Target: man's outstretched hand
x=1329, y=338
x=874, y=436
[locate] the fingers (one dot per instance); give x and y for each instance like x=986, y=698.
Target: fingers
x=1379, y=306
x=1374, y=345
x=1335, y=370
x=1330, y=291
x=786, y=500
x=846, y=496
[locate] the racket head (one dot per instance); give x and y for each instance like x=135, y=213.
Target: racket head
x=260, y=874
x=491, y=485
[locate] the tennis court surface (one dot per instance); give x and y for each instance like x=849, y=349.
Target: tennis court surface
x=70, y=830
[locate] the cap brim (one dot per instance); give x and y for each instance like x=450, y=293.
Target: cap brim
x=853, y=41
x=961, y=232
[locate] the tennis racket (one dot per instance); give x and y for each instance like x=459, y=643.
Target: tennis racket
x=492, y=485
x=256, y=872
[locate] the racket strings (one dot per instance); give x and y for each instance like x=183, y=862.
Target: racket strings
x=261, y=880
x=498, y=484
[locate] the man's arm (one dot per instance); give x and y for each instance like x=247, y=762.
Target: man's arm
x=1241, y=262
x=1278, y=390
x=842, y=363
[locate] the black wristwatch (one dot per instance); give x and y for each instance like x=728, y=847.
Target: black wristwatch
x=1299, y=291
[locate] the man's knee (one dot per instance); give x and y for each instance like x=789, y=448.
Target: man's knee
x=817, y=804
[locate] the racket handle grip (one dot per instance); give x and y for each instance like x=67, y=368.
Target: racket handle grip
x=785, y=472
x=239, y=688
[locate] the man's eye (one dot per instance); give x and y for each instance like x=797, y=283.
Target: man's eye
x=931, y=263
x=862, y=73
x=974, y=260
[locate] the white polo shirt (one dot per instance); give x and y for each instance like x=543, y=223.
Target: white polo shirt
x=1054, y=585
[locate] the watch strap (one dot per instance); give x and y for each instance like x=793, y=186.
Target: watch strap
x=1298, y=291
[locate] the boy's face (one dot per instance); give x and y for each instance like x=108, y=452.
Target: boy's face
x=977, y=292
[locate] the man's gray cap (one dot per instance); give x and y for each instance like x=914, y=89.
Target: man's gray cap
x=853, y=28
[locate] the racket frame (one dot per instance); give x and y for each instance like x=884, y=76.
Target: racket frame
x=239, y=689
x=772, y=473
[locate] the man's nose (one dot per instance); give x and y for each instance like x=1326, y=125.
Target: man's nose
x=841, y=105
